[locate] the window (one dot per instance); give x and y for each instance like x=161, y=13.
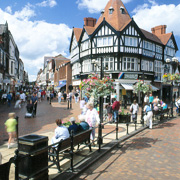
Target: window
x=76, y=68
x=170, y=52
x=130, y=41
x=12, y=67
x=130, y=64
x=108, y=64
x=86, y=66
x=149, y=46
x=111, y=10
x=158, y=49
x=105, y=41
x=147, y=65
x=84, y=45
x=158, y=70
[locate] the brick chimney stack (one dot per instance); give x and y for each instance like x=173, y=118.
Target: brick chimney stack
x=159, y=30
x=90, y=21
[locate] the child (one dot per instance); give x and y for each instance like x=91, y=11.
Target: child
x=11, y=127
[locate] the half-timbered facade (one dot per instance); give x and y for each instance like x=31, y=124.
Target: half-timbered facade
x=127, y=52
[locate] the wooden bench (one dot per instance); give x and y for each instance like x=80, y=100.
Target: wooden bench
x=160, y=114
x=54, y=150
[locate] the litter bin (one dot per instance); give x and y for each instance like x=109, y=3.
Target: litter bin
x=33, y=153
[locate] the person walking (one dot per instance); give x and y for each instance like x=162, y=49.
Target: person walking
x=92, y=118
x=151, y=99
x=134, y=108
x=34, y=100
x=109, y=112
x=148, y=115
x=9, y=99
x=4, y=97
x=64, y=96
x=11, y=127
x=76, y=96
x=59, y=97
x=115, y=107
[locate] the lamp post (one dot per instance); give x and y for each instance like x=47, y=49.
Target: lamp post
x=174, y=63
x=100, y=101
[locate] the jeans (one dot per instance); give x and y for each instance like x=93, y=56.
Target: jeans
x=76, y=99
x=59, y=99
x=115, y=115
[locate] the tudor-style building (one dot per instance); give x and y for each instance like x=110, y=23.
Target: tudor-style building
x=128, y=52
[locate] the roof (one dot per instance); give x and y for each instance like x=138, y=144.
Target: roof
x=117, y=20
x=151, y=36
x=77, y=33
x=165, y=38
x=89, y=29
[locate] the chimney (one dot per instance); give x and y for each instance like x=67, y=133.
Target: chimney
x=89, y=21
x=159, y=30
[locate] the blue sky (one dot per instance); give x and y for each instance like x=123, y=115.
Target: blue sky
x=43, y=28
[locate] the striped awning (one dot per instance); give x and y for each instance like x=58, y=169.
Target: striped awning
x=127, y=86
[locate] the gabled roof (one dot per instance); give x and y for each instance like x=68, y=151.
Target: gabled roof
x=151, y=36
x=116, y=19
x=77, y=33
x=89, y=29
x=165, y=38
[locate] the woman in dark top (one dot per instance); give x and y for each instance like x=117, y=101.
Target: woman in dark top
x=109, y=112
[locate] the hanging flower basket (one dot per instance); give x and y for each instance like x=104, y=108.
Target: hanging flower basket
x=171, y=77
x=94, y=87
x=140, y=86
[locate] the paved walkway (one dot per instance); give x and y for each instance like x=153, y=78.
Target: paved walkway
x=150, y=155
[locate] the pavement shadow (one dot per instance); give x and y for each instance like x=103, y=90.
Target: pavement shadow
x=164, y=125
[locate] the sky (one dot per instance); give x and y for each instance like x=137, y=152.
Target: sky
x=44, y=28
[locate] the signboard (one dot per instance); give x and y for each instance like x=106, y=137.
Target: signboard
x=123, y=92
x=130, y=76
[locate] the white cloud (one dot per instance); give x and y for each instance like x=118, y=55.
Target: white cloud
x=26, y=13
x=36, y=39
x=148, y=16
x=50, y=3
x=94, y=6
x=8, y=9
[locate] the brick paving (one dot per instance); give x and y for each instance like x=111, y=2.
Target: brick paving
x=150, y=155
x=43, y=122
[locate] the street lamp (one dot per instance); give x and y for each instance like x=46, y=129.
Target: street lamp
x=174, y=63
x=96, y=63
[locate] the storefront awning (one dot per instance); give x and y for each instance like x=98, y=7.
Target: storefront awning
x=154, y=88
x=127, y=86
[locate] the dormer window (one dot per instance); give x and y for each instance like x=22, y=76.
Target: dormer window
x=111, y=9
x=122, y=10
x=102, y=12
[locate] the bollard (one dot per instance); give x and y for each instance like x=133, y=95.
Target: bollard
x=17, y=128
x=71, y=151
x=68, y=104
x=16, y=159
x=99, y=136
x=116, y=130
x=127, y=124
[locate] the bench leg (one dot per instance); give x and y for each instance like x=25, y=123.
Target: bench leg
x=57, y=162
x=90, y=150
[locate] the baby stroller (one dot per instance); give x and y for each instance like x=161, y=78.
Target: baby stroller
x=30, y=111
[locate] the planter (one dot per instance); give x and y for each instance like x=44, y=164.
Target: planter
x=124, y=118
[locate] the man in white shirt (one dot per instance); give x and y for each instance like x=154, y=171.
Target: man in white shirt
x=59, y=96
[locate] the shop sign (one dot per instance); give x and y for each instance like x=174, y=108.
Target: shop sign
x=130, y=76
x=6, y=81
x=76, y=83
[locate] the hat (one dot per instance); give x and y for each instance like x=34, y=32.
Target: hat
x=82, y=117
x=72, y=119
